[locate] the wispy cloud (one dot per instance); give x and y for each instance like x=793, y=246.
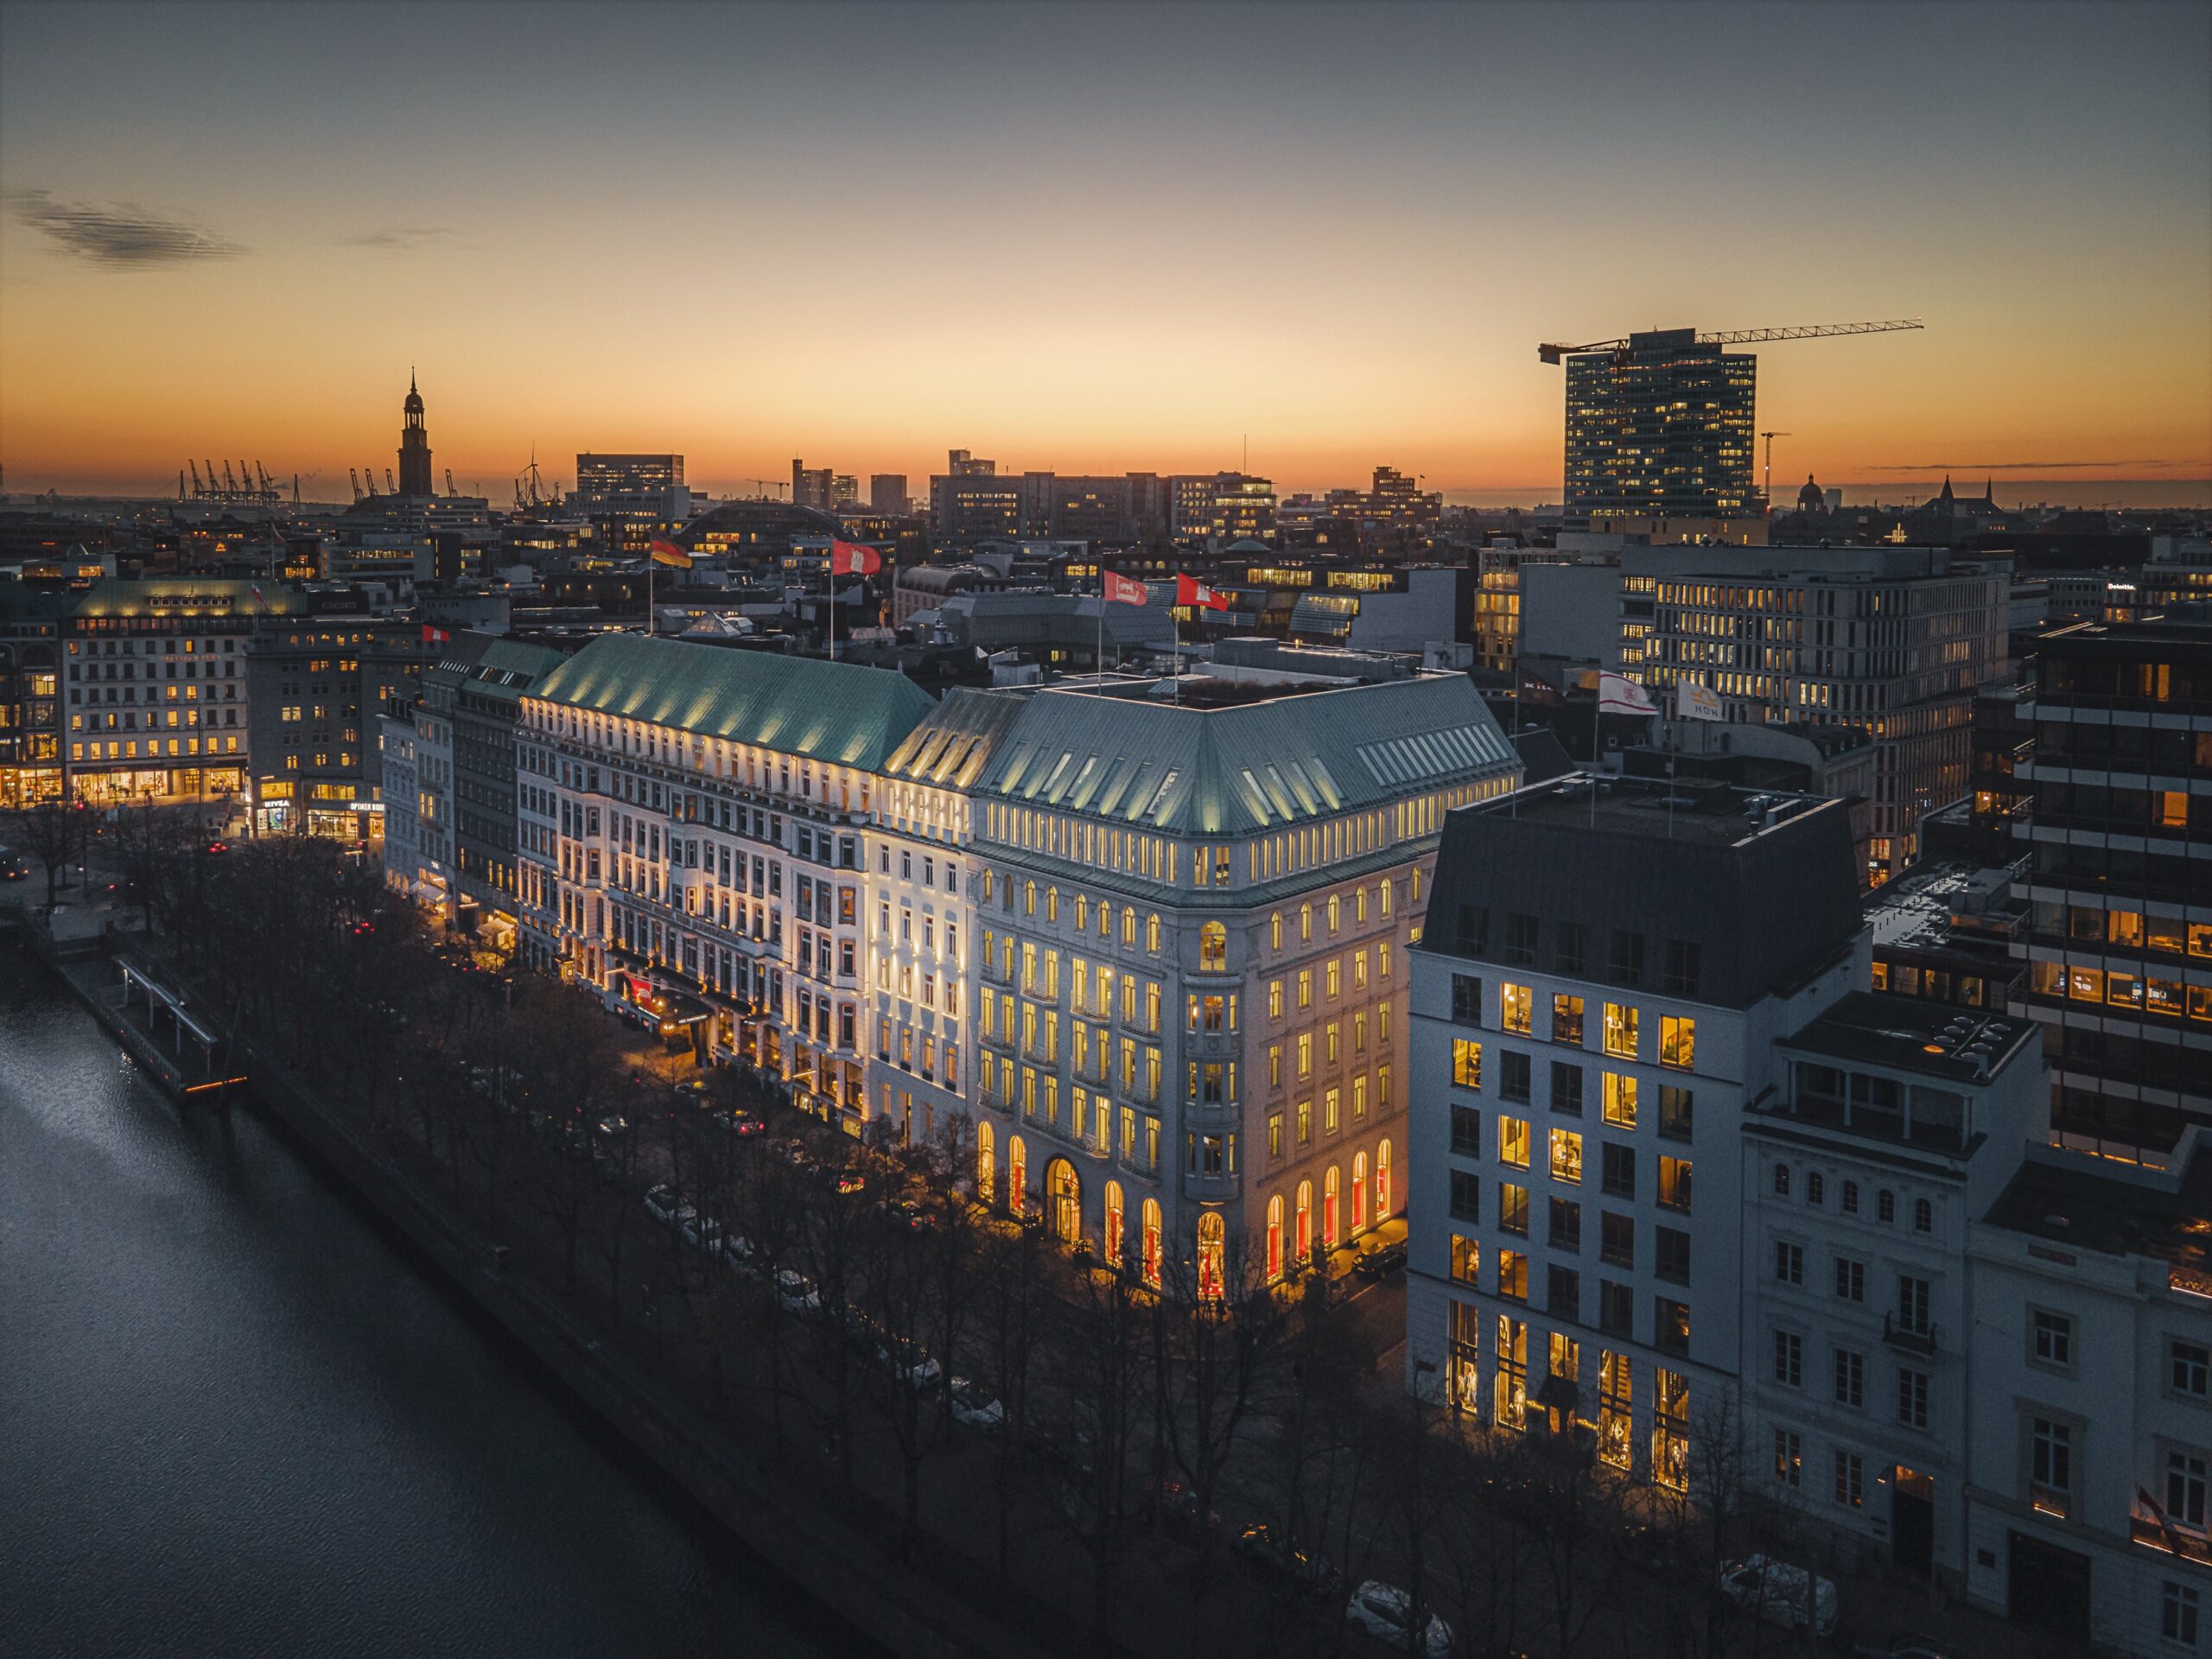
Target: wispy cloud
x=2007, y=465
x=120, y=235
x=402, y=239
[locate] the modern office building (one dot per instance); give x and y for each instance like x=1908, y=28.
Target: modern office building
x=1224, y=507
x=1895, y=641
x=2119, y=886
x=813, y=486
x=886, y=494
x=630, y=500
x=1663, y=430
x=1598, y=995
x=316, y=686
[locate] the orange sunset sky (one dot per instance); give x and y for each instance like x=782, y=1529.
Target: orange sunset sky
x=1095, y=238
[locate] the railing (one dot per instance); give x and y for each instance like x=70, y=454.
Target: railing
x=1906, y=1338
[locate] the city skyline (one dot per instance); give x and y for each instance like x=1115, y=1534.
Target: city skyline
x=863, y=236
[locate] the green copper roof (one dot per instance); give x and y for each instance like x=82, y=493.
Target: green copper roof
x=802, y=705
x=1235, y=770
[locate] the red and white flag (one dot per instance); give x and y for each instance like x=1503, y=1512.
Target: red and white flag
x=435, y=636
x=1190, y=591
x=1122, y=590
x=854, y=558
x=1619, y=695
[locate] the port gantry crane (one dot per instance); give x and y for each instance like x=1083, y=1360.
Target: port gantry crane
x=1550, y=353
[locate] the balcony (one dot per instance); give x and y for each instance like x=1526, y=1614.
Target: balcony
x=1905, y=1338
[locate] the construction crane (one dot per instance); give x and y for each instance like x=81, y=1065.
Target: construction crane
x=1554, y=353
x=1766, y=486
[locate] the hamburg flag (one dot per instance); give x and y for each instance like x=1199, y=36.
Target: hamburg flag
x=1189, y=591
x=1120, y=590
x=1619, y=695
x=669, y=553
x=435, y=636
x=854, y=558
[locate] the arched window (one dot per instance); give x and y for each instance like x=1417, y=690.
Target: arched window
x=1331, y=1237
x=1051, y=904
x=1213, y=948
x=1923, y=1216
x=1305, y=923
x=1383, y=1183
x=1114, y=1223
x=1275, y=1237
x=1886, y=1205
x=1359, y=1192
x=1029, y=899
x=1152, y=934
x=1213, y=1233
x=1017, y=1173
x=986, y=1161
x=1815, y=1188
x=1851, y=1197
x=1305, y=1223
x=1781, y=1180
x=1334, y=911
x=1105, y=920
x=1151, y=1263
x=1275, y=931
x=1129, y=925
x=1063, y=1201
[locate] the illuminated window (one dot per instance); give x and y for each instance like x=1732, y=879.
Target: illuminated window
x=1515, y=1007
x=1566, y=1018
x=1513, y=1142
x=1620, y=1030
x=1567, y=1156
x=1620, y=1100
x=1677, y=1040
x=1466, y=1063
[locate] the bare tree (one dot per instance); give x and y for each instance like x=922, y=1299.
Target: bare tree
x=54, y=832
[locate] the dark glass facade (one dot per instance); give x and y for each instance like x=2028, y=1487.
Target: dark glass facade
x=1663, y=430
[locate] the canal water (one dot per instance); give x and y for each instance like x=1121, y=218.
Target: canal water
x=235, y=1420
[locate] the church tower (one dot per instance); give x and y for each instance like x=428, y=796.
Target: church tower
x=414, y=446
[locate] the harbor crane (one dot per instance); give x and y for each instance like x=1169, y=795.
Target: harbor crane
x=353, y=476
x=449, y=488
x=1552, y=353
x=390, y=484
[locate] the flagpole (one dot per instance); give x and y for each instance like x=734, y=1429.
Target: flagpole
x=650, y=572
x=1098, y=662
x=833, y=602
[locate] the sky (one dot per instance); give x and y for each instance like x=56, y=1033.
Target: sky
x=1094, y=237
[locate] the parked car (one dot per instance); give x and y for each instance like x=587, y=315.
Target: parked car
x=975, y=1408
x=1378, y=1260
x=1383, y=1610
x=910, y=1362
x=661, y=1203
x=1283, y=1564
x=14, y=867
x=703, y=1233
x=797, y=1293
x=739, y=1121
x=1780, y=1593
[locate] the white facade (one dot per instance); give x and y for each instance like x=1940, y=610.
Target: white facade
x=2089, y=1443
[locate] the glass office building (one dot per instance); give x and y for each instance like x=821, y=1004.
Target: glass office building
x=1660, y=431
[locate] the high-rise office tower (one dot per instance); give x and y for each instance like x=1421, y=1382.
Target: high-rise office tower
x=812, y=486
x=2119, y=891
x=1660, y=431
x=887, y=493
x=414, y=446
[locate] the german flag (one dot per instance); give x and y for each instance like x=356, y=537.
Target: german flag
x=669, y=553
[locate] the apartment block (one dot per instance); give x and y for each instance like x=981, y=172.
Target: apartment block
x=1605, y=976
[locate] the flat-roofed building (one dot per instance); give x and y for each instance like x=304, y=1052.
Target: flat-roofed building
x=2119, y=884
x=1598, y=995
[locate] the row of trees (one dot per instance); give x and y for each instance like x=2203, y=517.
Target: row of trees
x=833, y=1289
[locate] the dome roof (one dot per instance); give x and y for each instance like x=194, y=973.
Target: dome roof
x=1810, y=496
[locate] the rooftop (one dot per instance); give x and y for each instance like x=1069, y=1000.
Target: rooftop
x=1236, y=760
x=1917, y=911
x=1904, y=1033
x=1687, y=809
x=2077, y=1203
x=829, y=711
